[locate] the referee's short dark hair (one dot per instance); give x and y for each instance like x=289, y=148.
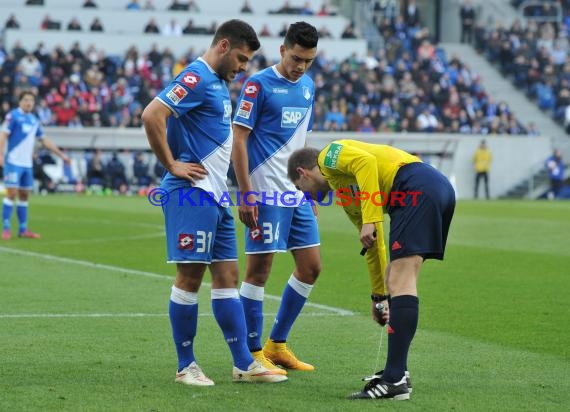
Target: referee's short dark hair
x=306, y=158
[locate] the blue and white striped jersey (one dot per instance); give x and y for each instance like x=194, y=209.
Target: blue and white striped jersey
x=279, y=114
x=200, y=131
x=23, y=129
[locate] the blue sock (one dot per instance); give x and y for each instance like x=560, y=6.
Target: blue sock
x=404, y=312
x=183, y=312
x=228, y=312
x=22, y=212
x=294, y=297
x=7, y=207
x=251, y=297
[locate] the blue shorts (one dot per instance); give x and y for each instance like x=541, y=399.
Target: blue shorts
x=18, y=177
x=204, y=233
x=282, y=228
x=420, y=227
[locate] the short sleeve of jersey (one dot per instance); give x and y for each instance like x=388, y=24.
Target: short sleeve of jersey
x=184, y=93
x=8, y=124
x=249, y=104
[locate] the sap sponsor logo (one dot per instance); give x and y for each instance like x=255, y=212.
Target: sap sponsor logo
x=216, y=86
x=27, y=128
x=280, y=90
x=251, y=89
x=245, y=109
x=290, y=116
x=176, y=94
x=191, y=80
x=227, y=111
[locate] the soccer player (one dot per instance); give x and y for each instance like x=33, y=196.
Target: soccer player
x=273, y=117
x=373, y=179
x=188, y=126
x=20, y=128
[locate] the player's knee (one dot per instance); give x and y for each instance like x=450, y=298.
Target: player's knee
x=309, y=273
x=258, y=268
x=256, y=278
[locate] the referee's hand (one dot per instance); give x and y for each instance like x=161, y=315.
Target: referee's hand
x=381, y=317
x=368, y=235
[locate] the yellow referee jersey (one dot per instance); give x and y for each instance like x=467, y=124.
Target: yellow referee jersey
x=370, y=168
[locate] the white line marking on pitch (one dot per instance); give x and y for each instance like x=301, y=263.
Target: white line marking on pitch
x=109, y=239
x=100, y=222
x=120, y=315
x=337, y=311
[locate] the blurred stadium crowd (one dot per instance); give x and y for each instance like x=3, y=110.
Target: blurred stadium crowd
x=409, y=85
x=534, y=55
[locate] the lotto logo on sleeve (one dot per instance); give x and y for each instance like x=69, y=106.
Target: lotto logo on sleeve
x=290, y=116
x=245, y=108
x=191, y=80
x=185, y=241
x=251, y=90
x=176, y=94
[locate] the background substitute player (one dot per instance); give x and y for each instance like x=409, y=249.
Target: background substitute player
x=21, y=128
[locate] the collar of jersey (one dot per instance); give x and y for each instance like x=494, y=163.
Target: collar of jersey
x=279, y=75
x=207, y=65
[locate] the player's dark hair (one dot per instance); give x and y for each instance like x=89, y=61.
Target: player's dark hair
x=303, y=34
x=25, y=93
x=238, y=33
x=306, y=158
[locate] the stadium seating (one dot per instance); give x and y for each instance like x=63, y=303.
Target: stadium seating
x=388, y=90
x=534, y=55
x=122, y=21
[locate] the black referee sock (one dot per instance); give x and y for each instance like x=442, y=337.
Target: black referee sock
x=401, y=330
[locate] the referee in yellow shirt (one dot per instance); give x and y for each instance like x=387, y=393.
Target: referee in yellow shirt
x=482, y=161
x=372, y=180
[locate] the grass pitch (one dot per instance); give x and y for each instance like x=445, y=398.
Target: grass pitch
x=84, y=326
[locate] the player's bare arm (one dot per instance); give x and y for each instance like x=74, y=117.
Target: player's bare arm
x=3, y=138
x=52, y=147
x=247, y=213
x=154, y=120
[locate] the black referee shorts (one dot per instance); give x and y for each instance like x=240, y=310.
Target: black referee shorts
x=419, y=223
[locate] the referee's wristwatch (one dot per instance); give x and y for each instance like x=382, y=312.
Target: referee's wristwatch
x=379, y=298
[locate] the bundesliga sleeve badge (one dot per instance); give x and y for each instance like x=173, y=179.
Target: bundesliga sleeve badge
x=245, y=108
x=176, y=94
